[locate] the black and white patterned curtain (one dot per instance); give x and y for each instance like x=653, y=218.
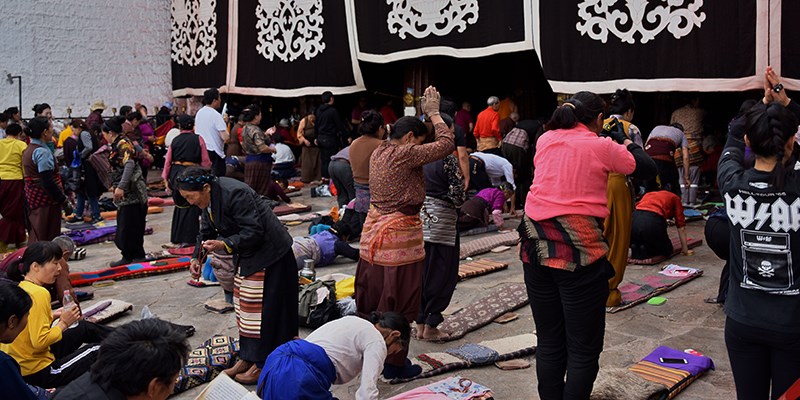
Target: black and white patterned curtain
x=290, y=48
x=652, y=45
x=391, y=30
x=199, y=45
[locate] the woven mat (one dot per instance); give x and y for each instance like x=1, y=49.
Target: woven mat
x=505, y=298
x=479, y=267
x=207, y=361
x=676, y=249
x=106, y=310
x=473, y=355
x=641, y=290
x=486, y=244
x=130, y=271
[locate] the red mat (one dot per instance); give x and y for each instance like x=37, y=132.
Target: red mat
x=676, y=249
x=130, y=271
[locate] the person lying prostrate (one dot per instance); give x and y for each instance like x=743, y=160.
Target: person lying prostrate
x=15, y=305
x=335, y=353
x=485, y=208
x=139, y=360
x=649, y=237
x=50, y=356
x=323, y=247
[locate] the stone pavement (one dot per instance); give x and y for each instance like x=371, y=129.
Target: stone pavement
x=684, y=321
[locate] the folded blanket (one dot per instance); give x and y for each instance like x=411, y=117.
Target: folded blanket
x=452, y=388
x=473, y=355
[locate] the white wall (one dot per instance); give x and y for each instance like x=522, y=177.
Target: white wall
x=71, y=53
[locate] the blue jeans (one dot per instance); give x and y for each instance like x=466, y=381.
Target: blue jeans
x=82, y=203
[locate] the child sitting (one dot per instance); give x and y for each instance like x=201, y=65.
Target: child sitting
x=323, y=247
x=50, y=356
x=487, y=206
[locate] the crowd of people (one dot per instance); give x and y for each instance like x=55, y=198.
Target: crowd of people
x=591, y=186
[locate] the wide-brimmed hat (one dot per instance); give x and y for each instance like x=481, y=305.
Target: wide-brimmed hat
x=98, y=105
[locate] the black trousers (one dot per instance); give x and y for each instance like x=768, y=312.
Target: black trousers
x=570, y=316
x=325, y=154
x=522, y=161
x=439, y=279
x=130, y=231
x=649, y=235
x=760, y=359
x=217, y=163
x=718, y=237
x=342, y=176
x=72, y=360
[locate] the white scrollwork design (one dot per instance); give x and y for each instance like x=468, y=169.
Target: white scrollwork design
x=194, y=31
x=421, y=18
x=679, y=17
x=288, y=29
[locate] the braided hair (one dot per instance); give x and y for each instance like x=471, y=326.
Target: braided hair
x=193, y=179
x=769, y=128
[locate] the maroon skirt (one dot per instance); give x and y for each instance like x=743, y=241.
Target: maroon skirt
x=12, y=209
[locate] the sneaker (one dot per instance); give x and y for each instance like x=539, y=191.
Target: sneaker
x=96, y=220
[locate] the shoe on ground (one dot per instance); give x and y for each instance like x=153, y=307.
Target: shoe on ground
x=121, y=261
x=250, y=377
x=75, y=220
x=238, y=368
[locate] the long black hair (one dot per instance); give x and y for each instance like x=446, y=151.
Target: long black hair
x=39, y=252
x=622, y=102
x=769, y=128
x=583, y=107
x=13, y=301
x=371, y=122
x=394, y=321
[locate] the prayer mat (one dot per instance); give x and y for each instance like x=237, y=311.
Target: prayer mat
x=207, y=361
x=201, y=283
x=130, y=271
x=486, y=244
x=155, y=201
x=472, y=355
x=676, y=249
x=479, y=267
x=452, y=388
x=691, y=215
x=157, y=185
x=106, y=311
x=641, y=290
x=479, y=230
x=97, y=235
x=482, y=312
x=168, y=202
x=75, y=226
x=675, y=377
x=291, y=208
x=113, y=214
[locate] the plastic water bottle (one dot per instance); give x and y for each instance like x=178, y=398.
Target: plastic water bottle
x=69, y=304
x=308, y=271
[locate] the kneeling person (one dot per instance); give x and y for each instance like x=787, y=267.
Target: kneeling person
x=324, y=247
x=649, y=237
x=335, y=353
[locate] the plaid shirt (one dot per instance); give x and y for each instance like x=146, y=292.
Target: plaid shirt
x=517, y=137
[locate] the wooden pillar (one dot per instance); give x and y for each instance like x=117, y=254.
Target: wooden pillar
x=414, y=82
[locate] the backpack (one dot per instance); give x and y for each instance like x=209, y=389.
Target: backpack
x=313, y=312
